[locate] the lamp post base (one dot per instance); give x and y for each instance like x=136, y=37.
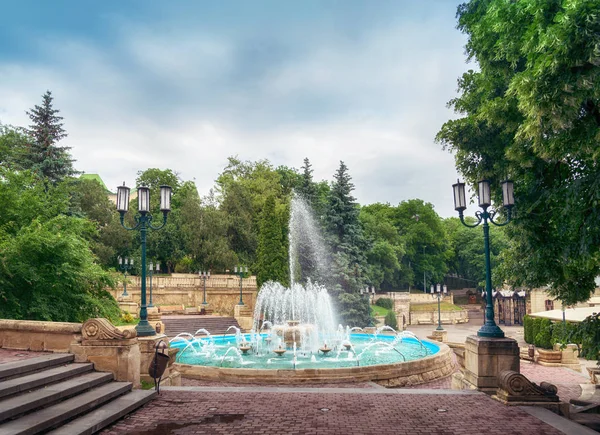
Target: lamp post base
x=490, y=331
x=144, y=329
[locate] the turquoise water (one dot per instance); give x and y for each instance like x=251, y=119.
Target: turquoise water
x=366, y=350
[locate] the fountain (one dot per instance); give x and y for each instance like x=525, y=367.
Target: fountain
x=298, y=325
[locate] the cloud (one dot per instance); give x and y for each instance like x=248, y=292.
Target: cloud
x=173, y=94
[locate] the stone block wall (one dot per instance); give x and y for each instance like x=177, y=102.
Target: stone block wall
x=39, y=336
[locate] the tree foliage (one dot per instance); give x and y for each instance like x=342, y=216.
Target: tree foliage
x=44, y=156
x=531, y=112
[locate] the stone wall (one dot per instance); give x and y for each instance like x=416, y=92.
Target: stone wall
x=415, y=298
x=221, y=300
x=431, y=317
x=178, y=280
x=39, y=336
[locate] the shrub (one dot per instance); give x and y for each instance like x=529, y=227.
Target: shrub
x=390, y=319
x=588, y=336
x=185, y=265
x=528, y=329
x=127, y=317
x=535, y=328
x=543, y=338
x=563, y=333
x=385, y=303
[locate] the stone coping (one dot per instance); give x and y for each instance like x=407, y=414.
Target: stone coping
x=40, y=326
x=399, y=374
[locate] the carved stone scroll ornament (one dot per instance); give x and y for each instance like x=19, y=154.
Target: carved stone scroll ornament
x=514, y=387
x=102, y=329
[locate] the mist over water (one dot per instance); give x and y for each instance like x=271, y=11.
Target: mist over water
x=308, y=254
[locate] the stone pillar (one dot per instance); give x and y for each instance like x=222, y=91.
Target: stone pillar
x=243, y=315
x=155, y=320
x=110, y=349
x=441, y=336
x=402, y=310
x=147, y=350
x=485, y=359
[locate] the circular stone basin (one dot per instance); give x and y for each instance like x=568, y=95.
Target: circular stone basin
x=370, y=358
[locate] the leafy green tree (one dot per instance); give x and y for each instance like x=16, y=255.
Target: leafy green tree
x=348, y=245
x=13, y=147
x=53, y=162
x=531, y=112
x=386, y=246
x=272, y=256
x=425, y=242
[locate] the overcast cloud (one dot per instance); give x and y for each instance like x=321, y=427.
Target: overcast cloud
x=183, y=85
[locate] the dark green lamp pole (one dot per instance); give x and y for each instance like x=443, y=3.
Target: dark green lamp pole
x=204, y=276
x=489, y=329
x=438, y=291
x=143, y=223
x=241, y=273
x=125, y=264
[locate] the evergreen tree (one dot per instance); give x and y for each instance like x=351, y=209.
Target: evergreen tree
x=348, y=246
x=45, y=157
x=307, y=188
x=272, y=257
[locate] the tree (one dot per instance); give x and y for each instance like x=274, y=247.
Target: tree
x=348, y=246
x=47, y=269
x=531, y=112
x=272, y=256
x=13, y=147
x=45, y=157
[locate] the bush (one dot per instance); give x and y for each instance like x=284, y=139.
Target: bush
x=543, y=338
x=563, y=333
x=385, y=303
x=528, y=329
x=127, y=317
x=185, y=265
x=390, y=319
x=535, y=328
x=588, y=336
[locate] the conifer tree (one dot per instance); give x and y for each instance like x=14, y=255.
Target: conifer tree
x=272, y=257
x=53, y=162
x=307, y=187
x=348, y=246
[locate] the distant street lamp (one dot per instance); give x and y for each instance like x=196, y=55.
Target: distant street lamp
x=125, y=264
x=369, y=291
x=240, y=270
x=151, y=270
x=144, y=223
x=489, y=329
x=204, y=276
x=438, y=291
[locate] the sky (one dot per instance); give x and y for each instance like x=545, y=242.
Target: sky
x=184, y=85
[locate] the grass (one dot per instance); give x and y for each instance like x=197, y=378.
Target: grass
x=445, y=306
x=147, y=385
x=378, y=311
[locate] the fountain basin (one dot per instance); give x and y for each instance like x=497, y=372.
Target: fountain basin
x=436, y=365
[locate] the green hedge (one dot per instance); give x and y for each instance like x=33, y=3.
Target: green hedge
x=543, y=333
x=385, y=303
x=543, y=338
x=390, y=319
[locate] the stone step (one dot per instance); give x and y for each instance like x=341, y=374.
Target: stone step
x=99, y=418
x=44, y=377
x=59, y=413
x=14, y=406
x=19, y=368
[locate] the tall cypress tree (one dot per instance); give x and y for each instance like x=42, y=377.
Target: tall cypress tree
x=307, y=187
x=45, y=157
x=348, y=245
x=272, y=257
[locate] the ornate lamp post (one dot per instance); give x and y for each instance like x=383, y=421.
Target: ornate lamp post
x=143, y=223
x=489, y=329
x=125, y=264
x=241, y=273
x=204, y=276
x=151, y=270
x=438, y=291
x=368, y=291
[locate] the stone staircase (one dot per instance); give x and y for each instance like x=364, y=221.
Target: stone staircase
x=189, y=323
x=51, y=394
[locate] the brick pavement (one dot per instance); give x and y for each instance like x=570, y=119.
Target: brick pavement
x=348, y=412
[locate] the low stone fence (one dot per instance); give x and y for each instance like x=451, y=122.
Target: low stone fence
x=431, y=317
x=190, y=280
x=39, y=336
